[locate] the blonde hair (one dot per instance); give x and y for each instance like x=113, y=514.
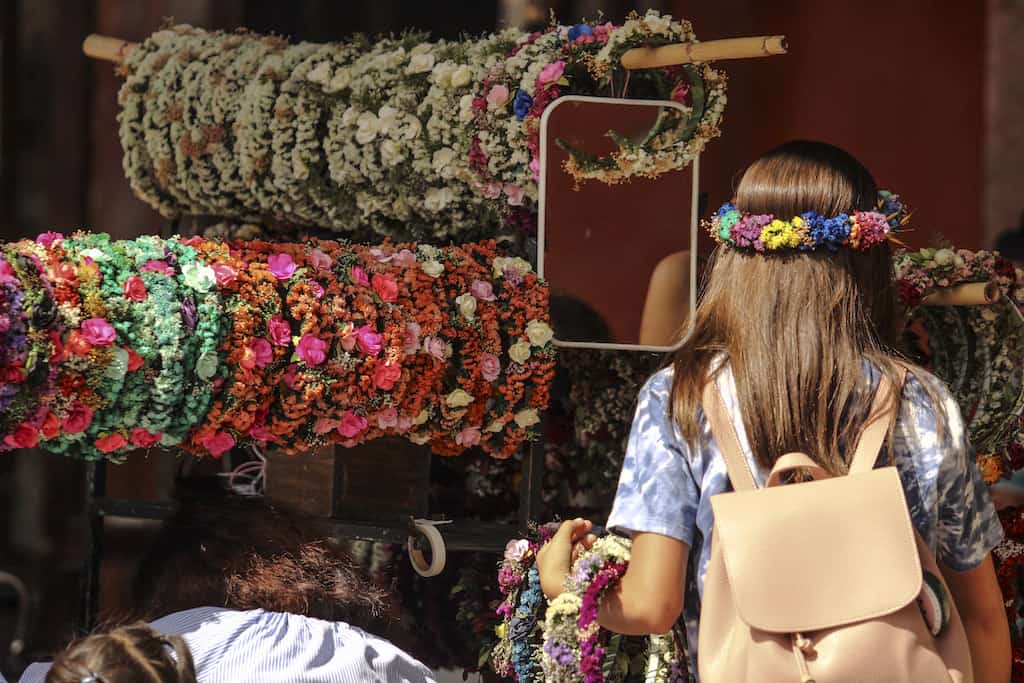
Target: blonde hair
x=796, y=328
x=129, y=654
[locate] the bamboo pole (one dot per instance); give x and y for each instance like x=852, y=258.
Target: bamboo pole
x=117, y=50
x=709, y=51
x=971, y=294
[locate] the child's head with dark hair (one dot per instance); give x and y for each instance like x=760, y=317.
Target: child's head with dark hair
x=129, y=654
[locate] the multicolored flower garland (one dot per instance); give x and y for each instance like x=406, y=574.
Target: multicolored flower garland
x=117, y=345
x=400, y=137
x=808, y=231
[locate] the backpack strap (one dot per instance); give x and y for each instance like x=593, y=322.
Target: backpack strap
x=869, y=443
x=724, y=431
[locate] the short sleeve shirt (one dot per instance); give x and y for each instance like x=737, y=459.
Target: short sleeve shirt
x=666, y=486
x=230, y=646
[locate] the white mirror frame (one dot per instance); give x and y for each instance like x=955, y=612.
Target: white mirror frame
x=694, y=207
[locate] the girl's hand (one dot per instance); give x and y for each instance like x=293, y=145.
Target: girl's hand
x=558, y=554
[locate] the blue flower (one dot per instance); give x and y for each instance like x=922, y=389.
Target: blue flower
x=580, y=30
x=521, y=104
x=829, y=232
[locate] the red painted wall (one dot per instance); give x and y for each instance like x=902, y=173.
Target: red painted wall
x=898, y=83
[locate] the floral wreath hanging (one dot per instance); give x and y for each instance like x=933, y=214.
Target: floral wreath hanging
x=560, y=641
x=976, y=350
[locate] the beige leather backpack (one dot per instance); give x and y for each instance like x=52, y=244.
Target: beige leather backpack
x=821, y=580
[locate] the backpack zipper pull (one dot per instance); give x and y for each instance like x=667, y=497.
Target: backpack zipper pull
x=801, y=646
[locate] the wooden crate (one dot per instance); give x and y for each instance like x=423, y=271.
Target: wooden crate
x=381, y=480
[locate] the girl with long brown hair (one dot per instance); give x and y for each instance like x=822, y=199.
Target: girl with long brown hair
x=796, y=327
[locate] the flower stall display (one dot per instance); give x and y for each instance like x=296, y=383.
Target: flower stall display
x=400, y=137
x=110, y=346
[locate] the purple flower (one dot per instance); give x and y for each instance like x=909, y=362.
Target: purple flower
x=747, y=231
x=189, y=315
x=559, y=652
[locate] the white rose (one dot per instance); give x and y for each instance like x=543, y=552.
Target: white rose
x=94, y=254
x=437, y=198
x=320, y=74
x=460, y=398
x=442, y=74
x=519, y=352
x=419, y=439
x=462, y=76
x=422, y=417
x=527, y=418
x=433, y=268
x=429, y=251
x=466, y=109
x=539, y=332
x=513, y=263
x=442, y=158
x=388, y=117
x=341, y=79
x=495, y=426
x=368, y=127
x=656, y=23
x=420, y=64
x=422, y=49
x=944, y=257
x=412, y=129
x=390, y=153
x=467, y=306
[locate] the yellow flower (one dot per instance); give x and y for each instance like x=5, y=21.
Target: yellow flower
x=460, y=398
x=781, y=234
x=501, y=630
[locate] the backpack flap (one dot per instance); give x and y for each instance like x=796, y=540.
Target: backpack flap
x=809, y=556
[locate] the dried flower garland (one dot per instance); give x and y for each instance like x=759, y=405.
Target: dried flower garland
x=976, y=350
x=116, y=345
x=399, y=137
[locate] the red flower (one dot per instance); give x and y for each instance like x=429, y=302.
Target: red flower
x=219, y=443
x=25, y=436
x=143, y=439
x=385, y=375
x=78, y=419
x=135, y=289
x=111, y=443
x=385, y=286
x=51, y=426
x=77, y=344
x=135, y=361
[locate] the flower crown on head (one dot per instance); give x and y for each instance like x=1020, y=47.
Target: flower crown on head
x=809, y=231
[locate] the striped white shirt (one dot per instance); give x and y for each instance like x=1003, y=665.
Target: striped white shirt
x=229, y=646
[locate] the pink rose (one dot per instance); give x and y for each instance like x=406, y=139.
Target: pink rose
x=135, y=289
x=157, y=267
x=535, y=167
x=358, y=276
x=7, y=272
x=470, y=436
x=111, y=442
x=352, y=425
x=311, y=349
x=515, y=194
x=78, y=419
x=348, y=337
x=497, y=97
x=551, y=73
x=405, y=259
x=516, y=550
x=492, y=190
x=262, y=434
x=490, y=366
x=135, y=361
x=411, y=343
x=5, y=323
x=282, y=266
x=259, y=354
x=436, y=347
x=280, y=331
x=224, y=274
x=368, y=340
x=219, y=443
x=193, y=241
x=47, y=239
x=387, y=418
x=323, y=425
x=385, y=375
x=385, y=286
x=98, y=332
x=141, y=438
x=319, y=260
x=318, y=289
x=25, y=436
x=404, y=424
x=482, y=290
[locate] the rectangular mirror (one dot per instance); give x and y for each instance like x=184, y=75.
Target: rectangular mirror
x=620, y=258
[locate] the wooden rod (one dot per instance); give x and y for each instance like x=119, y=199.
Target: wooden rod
x=106, y=48
x=709, y=51
x=970, y=294
x=117, y=50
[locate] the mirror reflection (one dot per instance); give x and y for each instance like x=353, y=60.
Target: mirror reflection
x=617, y=257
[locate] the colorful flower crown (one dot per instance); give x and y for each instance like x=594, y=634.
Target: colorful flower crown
x=860, y=230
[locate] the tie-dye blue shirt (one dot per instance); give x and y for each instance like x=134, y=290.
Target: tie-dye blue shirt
x=666, y=486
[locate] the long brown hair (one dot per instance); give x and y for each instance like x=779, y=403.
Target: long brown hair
x=796, y=328
x=130, y=654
